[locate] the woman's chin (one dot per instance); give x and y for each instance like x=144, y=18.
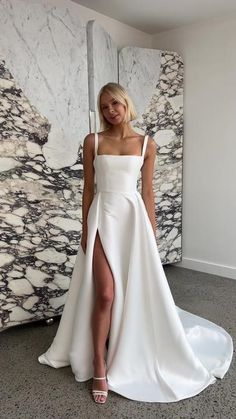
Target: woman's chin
x=115, y=121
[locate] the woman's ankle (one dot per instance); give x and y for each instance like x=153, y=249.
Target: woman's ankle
x=98, y=360
x=99, y=364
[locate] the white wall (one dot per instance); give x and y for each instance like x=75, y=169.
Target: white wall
x=209, y=174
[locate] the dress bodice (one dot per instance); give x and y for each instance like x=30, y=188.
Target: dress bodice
x=117, y=173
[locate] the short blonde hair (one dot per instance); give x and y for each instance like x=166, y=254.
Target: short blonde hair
x=119, y=93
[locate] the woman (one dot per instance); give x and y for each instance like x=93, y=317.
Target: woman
x=118, y=138
x=119, y=292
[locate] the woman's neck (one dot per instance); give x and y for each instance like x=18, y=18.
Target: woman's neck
x=121, y=131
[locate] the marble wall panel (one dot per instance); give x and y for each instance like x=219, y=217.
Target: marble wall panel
x=47, y=89
x=102, y=66
x=40, y=213
x=155, y=80
x=45, y=48
x=43, y=120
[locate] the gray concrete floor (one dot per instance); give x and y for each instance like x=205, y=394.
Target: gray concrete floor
x=33, y=391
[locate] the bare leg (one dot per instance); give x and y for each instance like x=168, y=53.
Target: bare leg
x=104, y=295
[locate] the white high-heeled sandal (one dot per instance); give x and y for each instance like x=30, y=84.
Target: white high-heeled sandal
x=96, y=393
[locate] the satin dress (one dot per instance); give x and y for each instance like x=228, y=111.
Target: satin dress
x=157, y=351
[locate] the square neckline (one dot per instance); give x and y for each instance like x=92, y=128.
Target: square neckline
x=121, y=155
x=118, y=155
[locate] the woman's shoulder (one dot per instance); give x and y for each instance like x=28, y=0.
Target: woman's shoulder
x=89, y=138
x=151, y=141
x=89, y=143
x=151, y=145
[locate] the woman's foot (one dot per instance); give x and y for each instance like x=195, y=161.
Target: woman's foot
x=100, y=388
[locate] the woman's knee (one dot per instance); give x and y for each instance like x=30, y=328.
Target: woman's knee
x=105, y=297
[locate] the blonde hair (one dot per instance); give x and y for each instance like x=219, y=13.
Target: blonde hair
x=120, y=94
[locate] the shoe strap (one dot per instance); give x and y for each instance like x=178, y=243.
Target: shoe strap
x=100, y=392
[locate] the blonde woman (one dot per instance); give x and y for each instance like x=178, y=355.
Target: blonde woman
x=120, y=324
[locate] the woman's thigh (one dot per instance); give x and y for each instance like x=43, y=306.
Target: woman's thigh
x=102, y=274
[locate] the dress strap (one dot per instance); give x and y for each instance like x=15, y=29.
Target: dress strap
x=144, y=145
x=96, y=143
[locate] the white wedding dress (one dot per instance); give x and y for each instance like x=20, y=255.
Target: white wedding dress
x=157, y=352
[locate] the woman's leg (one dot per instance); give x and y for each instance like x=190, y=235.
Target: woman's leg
x=101, y=319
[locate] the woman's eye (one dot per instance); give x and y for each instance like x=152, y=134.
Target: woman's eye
x=115, y=102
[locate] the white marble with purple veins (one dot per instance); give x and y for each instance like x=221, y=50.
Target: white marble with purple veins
x=102, y=65
x=44, y=118
x=154, y=80
x=139, y=70
x=40, y=213
x=44, y=46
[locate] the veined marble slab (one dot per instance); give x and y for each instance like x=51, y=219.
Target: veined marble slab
x=44, y=46
x=40, y=213
x=44, y=117
x=102, y=66
x=158, y=97
x=139, y=70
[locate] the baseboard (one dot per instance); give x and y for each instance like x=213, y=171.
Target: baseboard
x=208, y=267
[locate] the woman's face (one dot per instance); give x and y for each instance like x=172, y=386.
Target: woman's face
x=113, y=111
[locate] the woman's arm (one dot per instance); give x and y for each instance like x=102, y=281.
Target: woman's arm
x=88, y=189
x=147, y=179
